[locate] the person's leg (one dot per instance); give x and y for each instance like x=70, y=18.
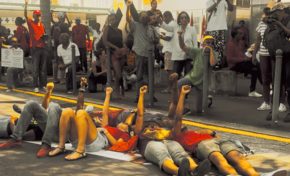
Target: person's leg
x=85, y=62
x=241, y=164
x=188, y=66
x=92, y=87
x=266, y=71
x=43, y=68
x=36, y=61
x=222, y=164
x=140, y=72
x=117, y=73
x=55, y=65
x=177, y=68
x=69, y=81
x=10, y=78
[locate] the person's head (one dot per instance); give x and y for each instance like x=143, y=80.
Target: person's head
x=36, y=15
x=208, y=40
x=279, y=11
x=242, y=23
x=112, y=20
x=154, y=130
x=167, y=16
x=61, y=17
x=124, y=127
x=64, y=40
x=266, y=11
x=154, y=4
x=78, y=21
x=144, y=18
x=183, y=19
x=19, y=21
x=236, y=33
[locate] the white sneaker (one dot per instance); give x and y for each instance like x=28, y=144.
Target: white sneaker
x=264, y=107
x=279, y=172
x=282, y=108
x=255, y=94
x=36, y=90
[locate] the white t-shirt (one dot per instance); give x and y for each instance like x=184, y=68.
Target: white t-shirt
x=167, y=45
x=190, y=39
x=66, y=54
x=218, y=19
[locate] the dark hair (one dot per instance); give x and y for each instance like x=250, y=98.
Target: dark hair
x=153, y=1
x=64, y=36
x=266, y=11
x=235, y=32
x=19, y=20
x=179, y=16
x=168, y=14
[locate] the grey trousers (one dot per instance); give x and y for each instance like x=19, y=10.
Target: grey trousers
x=13, y=77
x=48, y=121
x=39, y=58
x=142, y=71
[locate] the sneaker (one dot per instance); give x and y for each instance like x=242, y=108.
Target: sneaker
x=165, y=91
x=203, y=168
x=255, y=94
x=17, y=109
x=36, y=90
x=264, y=107
x=69, y=92
x=287, y=118
x=279, y=172
x=11, y=143
x=43, y=151
x=184, y=168
x=186, y=111
x=9, y=90
x=282, y=108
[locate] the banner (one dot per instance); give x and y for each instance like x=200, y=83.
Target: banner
x=12, y=57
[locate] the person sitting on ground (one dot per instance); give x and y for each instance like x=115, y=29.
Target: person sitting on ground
x=64, y=52
x=84, y=134
x=238, y=62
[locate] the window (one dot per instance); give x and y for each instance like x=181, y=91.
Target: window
x=244, y=3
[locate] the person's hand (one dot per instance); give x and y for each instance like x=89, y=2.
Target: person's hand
x=173, y=77
x=26, y=2
x=109, y=90
x=83, y=82
x=185, y=89
x=49, y=86
x=143, y=89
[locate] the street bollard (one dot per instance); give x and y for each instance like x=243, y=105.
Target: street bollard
x=151, y=78
x=74, y=79
x=205, y=79
x=109, y=66
x=277, y=85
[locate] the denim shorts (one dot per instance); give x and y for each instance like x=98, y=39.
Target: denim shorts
x=158, y=151
x=207, y=147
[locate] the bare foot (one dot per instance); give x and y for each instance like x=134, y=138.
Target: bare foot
x=75, y=156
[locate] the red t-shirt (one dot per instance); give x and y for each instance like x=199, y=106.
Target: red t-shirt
x=22, y=36
x=190, y=139
x=79, y=33
x=36, y=31
x=117, y=134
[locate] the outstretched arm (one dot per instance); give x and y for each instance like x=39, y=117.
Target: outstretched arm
x=174, y=95
x=80, y=100
x=46, y=99
x=179, y=111
x=25, y=10
x=67, y=19
x=230, y=5
x=140, y=110
x=105, y=120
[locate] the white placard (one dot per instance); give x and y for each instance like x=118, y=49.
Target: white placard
x=12, y=57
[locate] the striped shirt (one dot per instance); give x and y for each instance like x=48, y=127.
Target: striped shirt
x=261, y=28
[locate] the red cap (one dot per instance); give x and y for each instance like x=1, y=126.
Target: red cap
x=37, y=12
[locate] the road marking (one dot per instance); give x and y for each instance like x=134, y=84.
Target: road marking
x=186, y=122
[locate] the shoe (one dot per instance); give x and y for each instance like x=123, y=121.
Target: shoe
x=17, y=109
x=255, y=94
x=43, y=151
x=9, y=90
x=69, y=92
x=11, y=143
x=209, y=98
x=287, y=118
x=184, y=168
x=165, y=91
x=269, y=116
x=264, y=107
x=186, y=111
x=279, y=172
x=282, y=108
x=36, y=90
x=203, y=168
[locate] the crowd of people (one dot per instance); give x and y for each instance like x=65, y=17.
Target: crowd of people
x=160, y=139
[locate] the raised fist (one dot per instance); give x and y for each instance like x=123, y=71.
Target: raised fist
x=49, y=86
x=84, y=82
x=109, y=90
x=143, y=89
x=185, y=89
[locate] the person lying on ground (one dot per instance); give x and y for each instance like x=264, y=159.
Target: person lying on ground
x=80, y=128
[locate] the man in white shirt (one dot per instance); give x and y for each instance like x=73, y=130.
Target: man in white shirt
x=64, y=51
x=217, y=24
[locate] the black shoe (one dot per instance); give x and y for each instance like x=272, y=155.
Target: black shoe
x=287, y=118
x=269, y=116
x=209, y=101
x=186, y=111
x=155, y=99
x=17, y=109
x=203, y=168
x=184, y=168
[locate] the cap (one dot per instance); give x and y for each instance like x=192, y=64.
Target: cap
x=207, y=37
x=14, y=39
x=278, y=6
x=37, y=12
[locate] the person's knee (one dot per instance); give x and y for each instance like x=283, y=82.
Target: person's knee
x=31, y=104
x=67, y=113
x=234, y=157
x=53, y=106
x=81, y=114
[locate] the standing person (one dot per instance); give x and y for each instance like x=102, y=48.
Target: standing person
x=154, y=10
x=244, y=29
x=80, y=33
x=113, y=39
x=64, y=52
x=38, y=51
x=217, y=24
x=22, y=35
x=181, y=60
x=3, y=30
x=97, y=34
x=143, y=43
x=57, y=29
x=167, y=46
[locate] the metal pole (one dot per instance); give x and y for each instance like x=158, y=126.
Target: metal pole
x=151, y=78
x=205, y=79
x=109, y=65
x=0, y=64
x=74, y=78
x=277, y=85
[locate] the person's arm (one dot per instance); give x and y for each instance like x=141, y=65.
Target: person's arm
x=168, y=27
x=173, y=78
x=111, y=138
x=165, y=38
x=25, y=10
x=285, y=29
x=105, y=40
x=211, y=8
x=133, y=10
x=52, y=20
x=230, y=6
x=46, y=99
x=80, y=99
x=88, y=33
x=140, y=110
x=105, y=120
x=68, y=21
x=257, y=46
x=181, y=42
x=179, y=110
